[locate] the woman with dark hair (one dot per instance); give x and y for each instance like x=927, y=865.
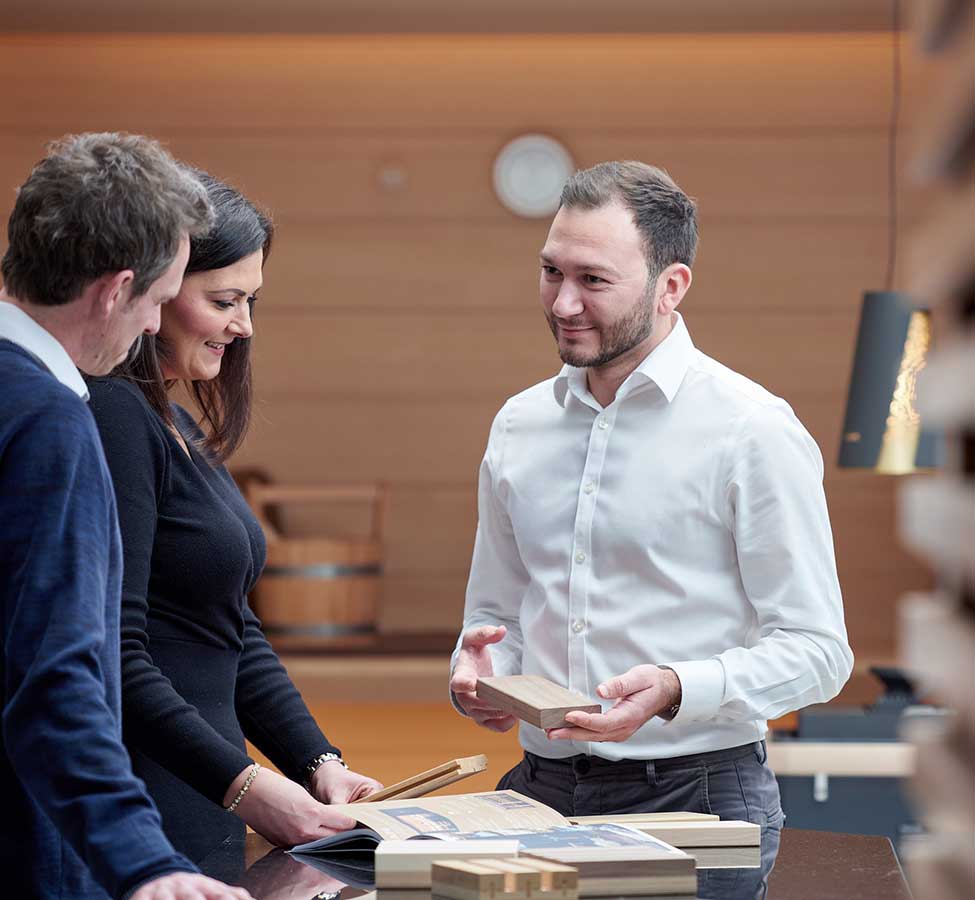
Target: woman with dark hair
x=198, y=675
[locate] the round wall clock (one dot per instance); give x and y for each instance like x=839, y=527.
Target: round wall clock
x=529, y=174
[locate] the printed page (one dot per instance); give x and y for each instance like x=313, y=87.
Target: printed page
x=453, y=815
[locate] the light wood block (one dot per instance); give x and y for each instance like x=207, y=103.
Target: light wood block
x=625, y=871
x=729, y=833
x=632, y=819
x=409, y=863
x=877, y=759
x=533, y=699
x=426, y=782
x=504, y=879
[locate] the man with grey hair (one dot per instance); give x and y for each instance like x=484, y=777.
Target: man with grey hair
x=98, y=240
x=652, y=531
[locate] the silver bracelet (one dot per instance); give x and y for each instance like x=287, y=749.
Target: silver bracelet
x=245, y=787
x=317, y=762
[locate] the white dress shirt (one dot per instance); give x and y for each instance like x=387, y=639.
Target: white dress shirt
x=19, y=328
x=684, y=524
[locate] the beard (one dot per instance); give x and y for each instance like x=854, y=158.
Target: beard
x=614, y=340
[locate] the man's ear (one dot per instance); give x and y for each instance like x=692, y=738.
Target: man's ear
x=111, y=292
x=672, y=284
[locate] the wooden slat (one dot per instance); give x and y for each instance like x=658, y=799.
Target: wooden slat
x=439, y=16
x=500, y=85
x=936, y=646
x=850, y=759
x=946, y=386
x=937, y=520
x=941, y=265
x=448, y=176
x=945, y=136
x=376, y=266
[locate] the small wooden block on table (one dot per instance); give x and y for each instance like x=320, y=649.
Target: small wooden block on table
x=625, y=871
x=433, y=779
x=533, y=699
x=504, y=879
x=409, y=863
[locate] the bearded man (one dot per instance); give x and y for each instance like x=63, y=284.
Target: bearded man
x=652, y=532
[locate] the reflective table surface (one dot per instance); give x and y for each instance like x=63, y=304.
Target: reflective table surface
x=811, y=865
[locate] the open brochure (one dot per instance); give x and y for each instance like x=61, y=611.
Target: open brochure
x=503, y=815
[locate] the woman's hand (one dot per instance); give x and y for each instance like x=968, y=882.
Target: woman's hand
x=333, y=783
x=284, y=812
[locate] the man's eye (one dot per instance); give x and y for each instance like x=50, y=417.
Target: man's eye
x=594, y=279
x=224, y=304
x=551, y=271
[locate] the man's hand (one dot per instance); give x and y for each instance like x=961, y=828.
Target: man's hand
x=473, y=662
x=187, y=886
x=333, y=783
x=643, y=692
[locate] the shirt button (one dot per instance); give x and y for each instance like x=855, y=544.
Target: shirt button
x=589, y=488
x=603, y=424
x=580, y=557
x=578, y=626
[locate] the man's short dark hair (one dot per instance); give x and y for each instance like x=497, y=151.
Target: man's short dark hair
x=663, y=214
x=98, y=204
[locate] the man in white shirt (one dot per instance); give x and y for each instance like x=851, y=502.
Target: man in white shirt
x=652, y=531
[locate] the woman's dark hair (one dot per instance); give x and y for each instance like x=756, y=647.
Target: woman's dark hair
x=239, y=230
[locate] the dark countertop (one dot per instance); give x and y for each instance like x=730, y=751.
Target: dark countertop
x=811, y=865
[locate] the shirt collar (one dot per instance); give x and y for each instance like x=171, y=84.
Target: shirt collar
x=665, y=366
x=21, y=329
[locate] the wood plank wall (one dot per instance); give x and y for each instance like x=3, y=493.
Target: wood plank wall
x=400, y=306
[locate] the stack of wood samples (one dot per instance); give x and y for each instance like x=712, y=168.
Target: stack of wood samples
x=408, y=864
x=714, y=844
x=938, y=509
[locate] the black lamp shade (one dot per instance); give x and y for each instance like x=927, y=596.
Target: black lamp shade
x=882, y=429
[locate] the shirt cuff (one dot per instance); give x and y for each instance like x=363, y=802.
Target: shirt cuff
x=702, y=688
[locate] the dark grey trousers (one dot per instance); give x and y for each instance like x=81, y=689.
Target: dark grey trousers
x=734, y=784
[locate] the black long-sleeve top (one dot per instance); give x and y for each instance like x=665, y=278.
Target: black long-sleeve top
x=192, y=551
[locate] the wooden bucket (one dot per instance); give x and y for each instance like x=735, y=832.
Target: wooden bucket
x=317, y=593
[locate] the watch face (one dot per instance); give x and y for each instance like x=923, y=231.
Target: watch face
x=529, y=174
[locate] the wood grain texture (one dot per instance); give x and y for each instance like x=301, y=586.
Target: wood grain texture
x=400, y=306
x=533, y=699
x=426, y=782
x=625, y=871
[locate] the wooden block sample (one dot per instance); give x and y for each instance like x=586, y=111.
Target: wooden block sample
x=631, y=818
x=504, y=879
x=408, y=864
x=533, y=699
x=433, y=779
x=625, y=871
x=726, y=833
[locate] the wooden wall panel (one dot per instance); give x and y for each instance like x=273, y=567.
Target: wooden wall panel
x=499, y=84
x=395, y=320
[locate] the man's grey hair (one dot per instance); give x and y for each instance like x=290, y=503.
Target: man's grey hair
x=95, y=205
x=663, y=214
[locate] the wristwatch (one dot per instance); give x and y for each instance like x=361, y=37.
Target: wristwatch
x=318, y=761
x=674, y=708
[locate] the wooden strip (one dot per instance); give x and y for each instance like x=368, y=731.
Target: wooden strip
x=409, y=863
x=940, y=265
x=380, y=267
x=945, y=393
x=936, y=641
x=726, y=833
x=881, y=759
x=308, y=84
x=432, y=779
x=631, y=818
x=534, y=699
x=937, y=520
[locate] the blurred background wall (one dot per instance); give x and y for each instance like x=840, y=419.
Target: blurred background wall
x=400, y=303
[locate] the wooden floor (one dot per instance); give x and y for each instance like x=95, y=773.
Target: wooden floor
x=391, y=741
